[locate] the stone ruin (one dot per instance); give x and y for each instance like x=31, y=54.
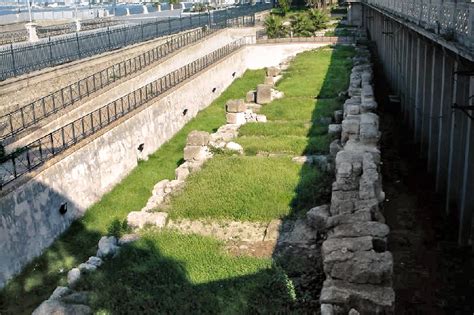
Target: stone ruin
x=356, y=262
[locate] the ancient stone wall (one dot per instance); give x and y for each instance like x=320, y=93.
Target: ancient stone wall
x=356, y=261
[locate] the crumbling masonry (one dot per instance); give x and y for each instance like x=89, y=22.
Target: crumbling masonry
x=356, y=262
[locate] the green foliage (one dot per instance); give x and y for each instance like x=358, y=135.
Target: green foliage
x=319, y=19
x=118, y=228
x=301, y=26
x=274, y=27
x=285, y=5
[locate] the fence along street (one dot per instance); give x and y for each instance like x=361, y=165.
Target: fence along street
x=21, y=58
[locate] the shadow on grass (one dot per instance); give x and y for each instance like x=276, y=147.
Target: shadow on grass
x=304, y=264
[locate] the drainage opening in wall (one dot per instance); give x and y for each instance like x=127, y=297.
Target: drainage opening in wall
x=141, y=147
x=233, y=74
x=63, y=208
x=213, y=90
x=185, y=111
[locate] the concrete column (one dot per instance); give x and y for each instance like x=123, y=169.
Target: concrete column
x=78, y=25
x=452, y=123
x=426, y=98
x=437, y=87
x=31, y=29
x=444, y=122
x=466, y=206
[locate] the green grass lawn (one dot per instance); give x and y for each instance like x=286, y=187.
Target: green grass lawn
x=38, y=279
x=162, y=275
x=257, y=188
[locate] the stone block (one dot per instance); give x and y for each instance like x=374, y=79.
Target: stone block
x=364, y=267
x=235, y=106
x=195, y=153
x=59, y=292
x=318, y=217
x=367, y=93
x=182, y=172
x=250, y=96
x=73, y=276
x=233, y=146
x=357, y=229
x=351, y=109
x=273, y=71
x=350, y=126
x=269, y=81
x=197, y=138
x=138, y=219
x=366, y=298
x=94, y=260
x=236, y=118
x=107, y=246
x=261, y=118
x=334, y=130
x=343, y=245
x=346, y=218
x=159, y=188
x=264, y=93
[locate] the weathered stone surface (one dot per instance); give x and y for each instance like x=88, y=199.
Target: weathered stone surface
x=327, y=309
x=59, y=292
x=73, y=276
x=352, y=109
x=269, y=81
x=173, y=186
x=236, y=118
x=235, y=106
x=366, y=298
x=56, y=307
x=357, y=216
x=367, y=93
x=250, y=96
x=107, y=246
x=350, y=126
x=334, y=130
x=353, y=312
x=182, y=172
x=372, y=228
x=128, y=238
x=261, y=118
x=369, y=128
x=359, y=266
x=352, y=244
x=301, y=233
x=197, y=138
x=264, y=94
x=233, y=146
x=139, y=219
x=273, y=71
x=195, y=153
x=85, y=267
x=272, y=233
x=318, y=217
x=368, y=106
x=159, y=188
x=94, y=260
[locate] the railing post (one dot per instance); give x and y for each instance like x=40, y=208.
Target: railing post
x=13, y=59
x=108, y=37
x=78, y=47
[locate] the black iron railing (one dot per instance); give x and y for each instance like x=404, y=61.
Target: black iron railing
x=38, y=152
x=30, y=114
x=17, y=59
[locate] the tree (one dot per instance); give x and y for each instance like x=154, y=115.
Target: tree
x=285, y=5
x=316, y=4
x=274, y=27
x=301, y=26
x=318, y=18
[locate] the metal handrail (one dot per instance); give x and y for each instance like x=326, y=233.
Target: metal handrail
x=32, y=113
x=21, y=58
x=45, y=148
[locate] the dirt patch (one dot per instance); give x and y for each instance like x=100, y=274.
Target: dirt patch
x=263, y=249
x=431, y=274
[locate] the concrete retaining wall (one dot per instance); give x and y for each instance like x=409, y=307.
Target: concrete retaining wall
x=30, y=219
